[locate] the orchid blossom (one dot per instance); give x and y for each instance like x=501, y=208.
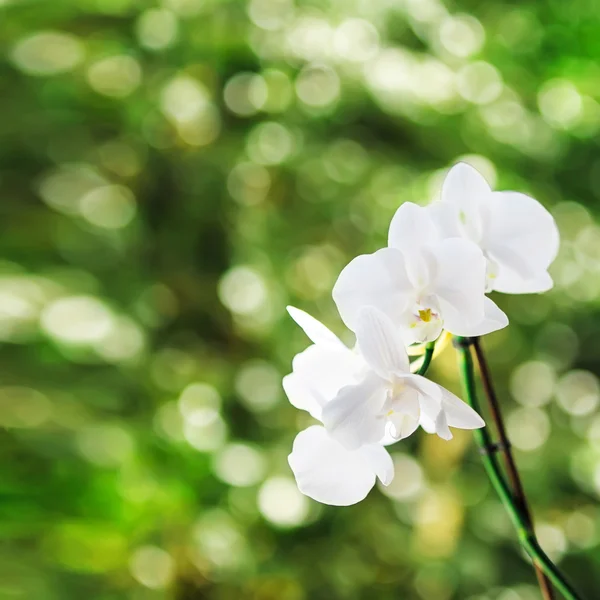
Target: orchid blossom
x=325, y=469
x=366, y=398
x=516, y=234
x=422, y=282
x=390, y=402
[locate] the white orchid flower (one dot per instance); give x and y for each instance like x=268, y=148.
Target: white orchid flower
x=517, y=235
x=389, y=403
x=366, y=398
x=325, y=469
x=421, y=281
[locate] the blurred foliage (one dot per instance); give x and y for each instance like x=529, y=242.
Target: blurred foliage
x=172, y=175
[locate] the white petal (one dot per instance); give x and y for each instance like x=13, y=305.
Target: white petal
x=405, y=419
x=427, y=388
x=411, y=228
x=440, y=408
x=523, y=239
x=430, y=400
x=422, y=267
x=464, y=186
x=446, y=218
x=380, y=461
x=468, y=191
x=319, y=372
x=407, y=400
x=433, y=418
x=463, y=181
x=430, y=411
x=315, y=330
x=493, y=320
x=327, y=472
x=458, y=413
x=402, y=426
x=380, y=344
x=352, y=417
x=302, y=396
x=426, y=423
x=510, y=282
x=379, y=280
x=460, y=284
x=441, y=426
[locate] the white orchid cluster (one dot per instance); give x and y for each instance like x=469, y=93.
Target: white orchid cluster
x=440, y=262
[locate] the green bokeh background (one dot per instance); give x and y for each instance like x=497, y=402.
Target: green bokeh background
x=171, y=176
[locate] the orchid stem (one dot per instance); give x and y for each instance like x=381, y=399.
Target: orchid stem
x=519, y=517
x=429, y=349
x=509, y=461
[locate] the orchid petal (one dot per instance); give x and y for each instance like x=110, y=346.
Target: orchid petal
x=405, y=419
x=315, y=330
x=402, y=426
x=464, y=183
x=493, y=319
x=380, y=344
x=302, y=396
x=523, y=239
x=460, y=284
x=430, y=410
x=411, y=228
x=380, y=461
x=425, y=387
x=441, y=426
x=436, y=399
x=319, y=372
x=430, y=400
x=465, y=187
x=379, y=280
x=468, y=191
x=509, y=282
x=446, y=219
x=351, y=417
x=422, y=268
x=331, y=474
x=458, y=413
x=433, y=418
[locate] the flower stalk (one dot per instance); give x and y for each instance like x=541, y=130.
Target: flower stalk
x=426, y=360
x=515, y=507
x=509, y=461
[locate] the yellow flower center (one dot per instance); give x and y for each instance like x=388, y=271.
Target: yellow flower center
x=425, y=315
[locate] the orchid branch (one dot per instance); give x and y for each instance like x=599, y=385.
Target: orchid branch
x=426, y=360
x=511, y=467
x=514, y=508
x=427, y=352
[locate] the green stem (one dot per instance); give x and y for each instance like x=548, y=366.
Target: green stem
x=426, y=359
x=516, y=487
x=526, y=535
